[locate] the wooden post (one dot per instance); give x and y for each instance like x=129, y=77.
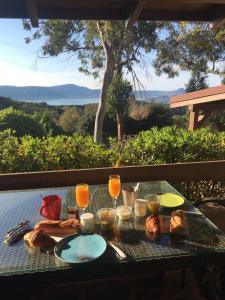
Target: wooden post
x=193, y=118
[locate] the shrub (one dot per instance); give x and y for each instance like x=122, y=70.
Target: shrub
x=156, y=146
x=20, y=122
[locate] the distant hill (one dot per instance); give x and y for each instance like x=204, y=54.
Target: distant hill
x=71, y=91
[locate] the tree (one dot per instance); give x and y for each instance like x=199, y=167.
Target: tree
x=49, y=121
x=119, y=93
x=98, y=45
x=193, y=47
x=20, y=122
x=68, y=120
x=196, y=82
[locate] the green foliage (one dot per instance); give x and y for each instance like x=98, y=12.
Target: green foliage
x=68, y=120
x=196, y=82
x=48, y=119
x=169, y=145
x=85, y=40
x=49, y=153
x=156, y=146
x=20, y=122
x=119, y=93
x=193, y=47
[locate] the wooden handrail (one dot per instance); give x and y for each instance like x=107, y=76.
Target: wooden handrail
x=172, y=172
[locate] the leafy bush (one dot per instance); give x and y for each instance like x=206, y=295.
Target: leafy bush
x=156, y=146
x=20, y=122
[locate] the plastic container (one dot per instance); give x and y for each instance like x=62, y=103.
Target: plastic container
x=124, y=212
x=140, y=207
x=87, y=223
x=107, y=218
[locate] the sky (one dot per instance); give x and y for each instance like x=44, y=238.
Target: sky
x=20, y=65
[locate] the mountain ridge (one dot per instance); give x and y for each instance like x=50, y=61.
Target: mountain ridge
x=72, y=91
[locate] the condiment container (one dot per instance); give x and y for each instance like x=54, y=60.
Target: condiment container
x=123, y=212
x=140, y=207
x=153, y=203
x=87, y=223
x=107, y=218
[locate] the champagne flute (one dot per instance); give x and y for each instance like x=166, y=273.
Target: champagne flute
x=82, y=196
x=114, y=187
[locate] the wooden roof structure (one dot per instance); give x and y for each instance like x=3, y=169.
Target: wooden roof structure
x=206, y=101
x=131, y=10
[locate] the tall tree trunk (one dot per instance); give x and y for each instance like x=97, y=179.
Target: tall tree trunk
x=120, y=127
x=107, y=78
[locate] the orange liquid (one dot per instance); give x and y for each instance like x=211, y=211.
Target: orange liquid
x=82, y=196
x=114, y=187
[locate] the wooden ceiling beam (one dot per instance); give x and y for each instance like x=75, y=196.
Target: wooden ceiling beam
x=135, y=14
x=32, y=12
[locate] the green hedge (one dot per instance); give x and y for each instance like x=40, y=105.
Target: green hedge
x=156, y=146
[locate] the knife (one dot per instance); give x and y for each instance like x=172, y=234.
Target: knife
x=121, y=254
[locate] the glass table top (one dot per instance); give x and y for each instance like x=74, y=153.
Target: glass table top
x=204, y=241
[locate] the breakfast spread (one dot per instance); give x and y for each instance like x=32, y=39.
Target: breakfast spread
x=46, y=233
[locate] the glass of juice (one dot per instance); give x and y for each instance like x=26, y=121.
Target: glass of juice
x=114, y=187
x=82, y=196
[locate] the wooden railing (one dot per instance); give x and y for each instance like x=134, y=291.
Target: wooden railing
x=172, y=172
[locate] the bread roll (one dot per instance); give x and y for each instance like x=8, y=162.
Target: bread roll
x=178, y=222
x=39, y=239
x=153, y=224
x=58, y=227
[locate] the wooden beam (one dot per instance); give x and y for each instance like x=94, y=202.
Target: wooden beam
x=32, y=12
x=198, y=100
x=135, y=14
x=193, y=118
x=216, y=105
x=209, y=170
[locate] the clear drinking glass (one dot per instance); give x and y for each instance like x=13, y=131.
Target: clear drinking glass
x=82, y=196
x=114, y=186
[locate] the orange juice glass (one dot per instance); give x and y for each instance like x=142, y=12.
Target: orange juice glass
x=82, y=196
x=114, y=187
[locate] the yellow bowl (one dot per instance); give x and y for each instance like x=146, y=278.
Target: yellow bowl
x=170, y=200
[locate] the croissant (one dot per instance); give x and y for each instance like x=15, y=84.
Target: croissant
x=58, y=227
x=153, y=224
x=178, y=222
x=39, y=239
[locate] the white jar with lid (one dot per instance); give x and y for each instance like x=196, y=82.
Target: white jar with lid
x=87, y=223
x=140, y=207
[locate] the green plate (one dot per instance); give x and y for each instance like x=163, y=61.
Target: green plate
x=170, y=200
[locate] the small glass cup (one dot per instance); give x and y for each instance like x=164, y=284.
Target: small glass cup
x=153, y=203
x=107, y=218
x=140, y=207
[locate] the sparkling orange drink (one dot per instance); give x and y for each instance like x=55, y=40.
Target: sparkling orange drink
x=114, y=187
x=82, y=195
